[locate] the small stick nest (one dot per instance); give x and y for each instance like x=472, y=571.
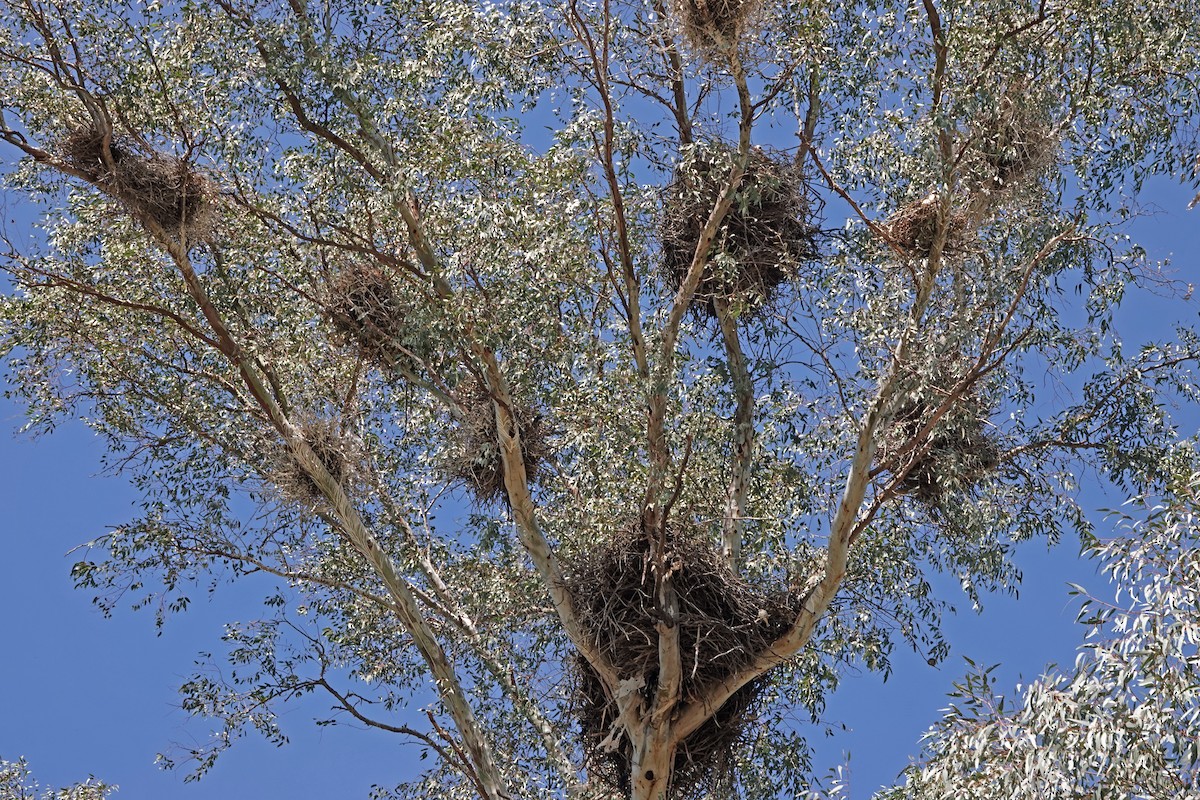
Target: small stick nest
x=709, y=24
x=765, y=237
x=474, y=453
x=337, y=452
x=915, y=226
x=956, y=455
x=159, y=187
x=1015, y=140
x=366, y=312
x=723, y=622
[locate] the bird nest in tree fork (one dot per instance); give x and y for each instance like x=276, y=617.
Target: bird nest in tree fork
x=723, y=623
x=474, y=456
x=157, y=187
x=367, y=312
x=712, y=23
x=914, y=228
x=955, y=455
x=765, y=236
x=1015, y=140
x=337, y=452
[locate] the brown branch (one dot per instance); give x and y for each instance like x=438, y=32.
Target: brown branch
x=465, y=762
x=675, y=66
x=659, y=453
x=742, y=450
x=345, y=705
x=605, y=151
x=940, y=51
x=61, y=281
x=875, y=228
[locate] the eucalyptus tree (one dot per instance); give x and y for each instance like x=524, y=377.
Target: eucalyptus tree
x=616, y=374
x=1124, y=722
x=17, y=784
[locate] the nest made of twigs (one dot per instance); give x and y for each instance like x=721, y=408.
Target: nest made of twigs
x=957, y=453
x=473, y=457
x=764, y=239
x=914, y=227
x=723, y=623
x=713, y=24
x=368, y=313
x=337, y=451
x=1015, y=140
x=158, y=187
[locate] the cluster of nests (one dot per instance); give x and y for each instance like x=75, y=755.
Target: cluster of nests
x=723, y=622
x=368, y=313
x=713, y=24
x=1009, y=144
x=157, y=187
x=766, y=235
x=956, y=454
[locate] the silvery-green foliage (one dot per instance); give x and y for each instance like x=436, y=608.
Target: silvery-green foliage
x=16, y=783
x=1124, y=721
x=504, y=166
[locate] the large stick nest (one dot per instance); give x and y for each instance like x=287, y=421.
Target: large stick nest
x=337, y=452
x=709, y=24
x=723, y=623
x=957, y=453
x=1016, y=140
x=157, y=187
x=764, y=239
x=914, y=228
x=473, y=456
x=368, y=313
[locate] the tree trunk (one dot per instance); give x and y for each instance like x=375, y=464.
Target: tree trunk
x=653, y=757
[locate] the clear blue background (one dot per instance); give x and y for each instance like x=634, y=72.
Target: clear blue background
x=81, y=694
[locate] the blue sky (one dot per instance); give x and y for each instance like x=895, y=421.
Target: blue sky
x=87, y=695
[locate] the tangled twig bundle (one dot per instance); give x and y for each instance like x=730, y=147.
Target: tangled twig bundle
x=366, y=311
x=337, y=452
x=723, y=623
x=764, y=239
x=1015, y=140
x=914, y=227
x=474, y=453
x=159, y=187
x=711, y=23
x=957, y=453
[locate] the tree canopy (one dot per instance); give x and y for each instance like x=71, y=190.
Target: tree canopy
x=615, y=374
x=17, y=784
x=1125, y=722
